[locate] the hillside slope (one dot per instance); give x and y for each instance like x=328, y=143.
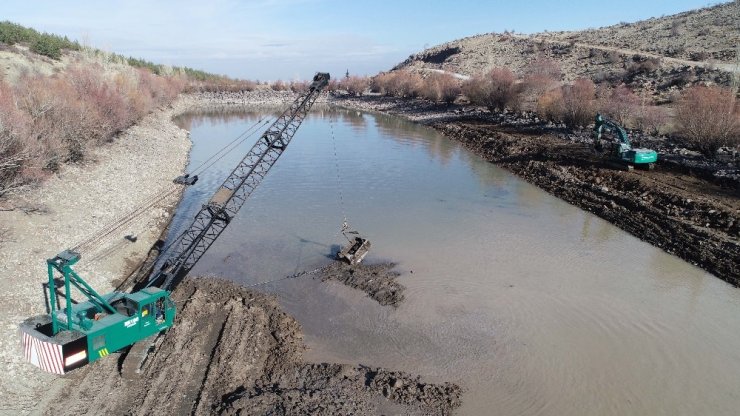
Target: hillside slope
x=656, y=55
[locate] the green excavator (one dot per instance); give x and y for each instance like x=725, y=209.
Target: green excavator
x=619, y=152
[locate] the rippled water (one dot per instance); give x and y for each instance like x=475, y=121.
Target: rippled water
x=530, y=304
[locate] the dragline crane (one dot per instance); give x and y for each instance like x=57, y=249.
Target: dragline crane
x=72, y=336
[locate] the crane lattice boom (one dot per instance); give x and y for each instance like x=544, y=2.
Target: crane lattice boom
x=215, y=215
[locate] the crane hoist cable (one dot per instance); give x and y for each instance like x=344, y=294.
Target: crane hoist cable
x=345, y=228
x=144, y=206
x=339, y=176
x=233, y=144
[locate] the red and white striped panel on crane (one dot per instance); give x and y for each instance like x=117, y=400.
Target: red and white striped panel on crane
x=45, y=355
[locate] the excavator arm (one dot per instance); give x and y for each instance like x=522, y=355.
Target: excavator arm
x=216, y=214
x=602, y=124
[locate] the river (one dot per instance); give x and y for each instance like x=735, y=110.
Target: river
x=533, y=306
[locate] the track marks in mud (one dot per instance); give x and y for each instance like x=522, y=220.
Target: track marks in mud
x=234, y=351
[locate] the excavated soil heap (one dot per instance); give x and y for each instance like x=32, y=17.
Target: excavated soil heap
x=377, y=280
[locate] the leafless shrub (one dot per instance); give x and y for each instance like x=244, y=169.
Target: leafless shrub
x=355, y=85
x=332, y=86
x=709, y=118
x=496, y=90
x=642, y=66
x=613, y=57
x=278, y=85
x=49, y=120
x=579, y=102
x=542, y=75
x=650, y=119
x=440, y=87
x=550, y=104
x=699, y=55
x=620, y=104
x=573, y=104
x=404, y=84
x=544, y=67
x=299, y=86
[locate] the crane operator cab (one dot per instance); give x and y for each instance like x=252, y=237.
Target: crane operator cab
x=75, y=334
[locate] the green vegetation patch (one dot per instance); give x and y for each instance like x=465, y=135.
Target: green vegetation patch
x=41, y=43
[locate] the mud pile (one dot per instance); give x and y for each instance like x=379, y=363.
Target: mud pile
x=233, y=351
x=377, y=280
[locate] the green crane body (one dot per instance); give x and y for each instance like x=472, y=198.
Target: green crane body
x=80, y=333
x=622, y=151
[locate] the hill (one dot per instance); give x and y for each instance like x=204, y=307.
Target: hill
x=658, y=55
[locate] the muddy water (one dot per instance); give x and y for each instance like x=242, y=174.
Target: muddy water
x=533, y=306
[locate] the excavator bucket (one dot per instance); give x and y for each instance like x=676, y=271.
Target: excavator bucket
x=354, y=252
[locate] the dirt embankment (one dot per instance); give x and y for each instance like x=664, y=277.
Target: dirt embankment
x=233, y=351
x=686, y=210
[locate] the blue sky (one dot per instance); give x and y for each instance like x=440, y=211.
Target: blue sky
x=292, y=39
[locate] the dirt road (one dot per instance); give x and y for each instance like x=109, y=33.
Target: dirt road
x=729, y=67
